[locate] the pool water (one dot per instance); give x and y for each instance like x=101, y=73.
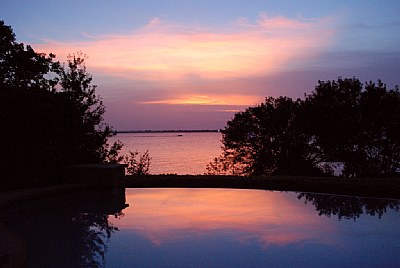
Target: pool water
x=201, y=228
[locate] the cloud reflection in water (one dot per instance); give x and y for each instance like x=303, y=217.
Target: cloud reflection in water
x=165, y=215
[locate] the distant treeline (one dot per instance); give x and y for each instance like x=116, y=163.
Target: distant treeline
x=167, y=131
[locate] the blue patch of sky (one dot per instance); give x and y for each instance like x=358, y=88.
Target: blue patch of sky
x=70, y=20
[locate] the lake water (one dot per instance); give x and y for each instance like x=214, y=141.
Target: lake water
x=171, y=153
x=201, y=228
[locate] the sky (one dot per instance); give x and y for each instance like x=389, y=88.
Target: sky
x=162, y=65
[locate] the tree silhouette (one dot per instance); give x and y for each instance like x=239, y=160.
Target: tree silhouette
x=50, y=115
x=341, y=123
x=90, y=134
x=267, y=140
x=21, y=66
x=355, y=125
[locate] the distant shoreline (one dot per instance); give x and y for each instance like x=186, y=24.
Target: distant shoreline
x=167, y=131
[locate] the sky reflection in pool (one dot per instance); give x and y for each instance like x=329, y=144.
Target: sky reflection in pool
x=245, y=228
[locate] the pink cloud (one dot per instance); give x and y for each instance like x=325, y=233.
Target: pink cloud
x=163, y=51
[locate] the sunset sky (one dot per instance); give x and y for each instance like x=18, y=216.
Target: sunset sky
x=192, y=64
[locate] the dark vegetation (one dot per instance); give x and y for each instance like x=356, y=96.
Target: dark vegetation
x=50, y=116
x=341, y=126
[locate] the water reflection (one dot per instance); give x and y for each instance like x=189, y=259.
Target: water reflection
x=163, y=215
x=348, y=207
x=67, y=231
x=252, y=228
x=200, y=228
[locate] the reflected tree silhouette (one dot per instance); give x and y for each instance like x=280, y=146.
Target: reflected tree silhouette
x=70, y=231
x=348, y=207
x=93, y=233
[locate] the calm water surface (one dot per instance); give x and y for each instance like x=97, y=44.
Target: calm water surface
x=201, y=228
x=171, y=153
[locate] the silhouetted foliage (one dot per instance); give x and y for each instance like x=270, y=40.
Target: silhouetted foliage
x=112, y=155
x=21, y=66
x=137, y=166
x=50, y=115
x=91, y=134
x=348, y=207
x=267, y=139
x=356, y=126
x=35, y=137
x=341, y=123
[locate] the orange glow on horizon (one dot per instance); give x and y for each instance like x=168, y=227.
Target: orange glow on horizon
x=162, y=215
x=209, y=100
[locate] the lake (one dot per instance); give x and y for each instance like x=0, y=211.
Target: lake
x=171, y=153
x=201, y=228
